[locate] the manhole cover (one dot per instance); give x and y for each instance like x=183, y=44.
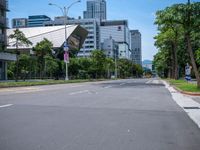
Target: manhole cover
x=191, y=107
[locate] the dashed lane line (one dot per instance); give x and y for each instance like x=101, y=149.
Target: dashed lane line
x=79, y=92
x=7, y=105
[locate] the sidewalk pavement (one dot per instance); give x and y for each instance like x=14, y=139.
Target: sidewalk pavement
x=190, y=104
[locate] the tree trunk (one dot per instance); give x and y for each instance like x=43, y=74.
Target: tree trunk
x=172, y=62
x=190, y=51
x=175, y=61
x=18, y=53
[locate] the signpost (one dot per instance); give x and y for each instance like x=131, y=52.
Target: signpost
x=188, y=72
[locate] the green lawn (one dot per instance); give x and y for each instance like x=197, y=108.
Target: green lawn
x=184, y=85
x=41, y=82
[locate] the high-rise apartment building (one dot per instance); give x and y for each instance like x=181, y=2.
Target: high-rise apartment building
x=4, y=57
x=95, y=9
x=37, y=20
x=19, y=23
x=136, y=48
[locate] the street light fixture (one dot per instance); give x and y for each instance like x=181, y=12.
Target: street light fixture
x=65, y=11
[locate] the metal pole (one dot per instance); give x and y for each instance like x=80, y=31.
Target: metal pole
x=115, y=63
x=66, y=65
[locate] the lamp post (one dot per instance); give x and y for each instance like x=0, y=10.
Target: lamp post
x=116, y=62
x=65, y=11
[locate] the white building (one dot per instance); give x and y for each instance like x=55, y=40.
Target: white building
x=110, y=48
x=91, y=25
x=119, y=31
x=56, y=34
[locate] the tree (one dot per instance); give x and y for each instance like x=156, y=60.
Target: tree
x=125, y=68
x=24, y=65
x=98, y=60
x=42, y=49
x=187, y=15
x=51, y=66
x=179, y=27
x=20, y=39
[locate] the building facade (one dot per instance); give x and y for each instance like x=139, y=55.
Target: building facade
x=110, y=48
x=19, y=23
x=4, y=57
x=136, y=47
x=119, y=31
x=95, y=9
x=37, y=20
x=91, y=25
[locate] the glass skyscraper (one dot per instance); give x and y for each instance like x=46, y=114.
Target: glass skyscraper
x=95, y=9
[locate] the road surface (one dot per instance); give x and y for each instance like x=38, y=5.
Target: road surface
x=133, y=114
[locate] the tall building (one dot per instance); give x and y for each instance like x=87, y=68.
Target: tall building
x=136, y=48
x=91, y=25
x=119, y=31
x=19, y=23
x=95, y=9
x=4, y=57
x=37, y=20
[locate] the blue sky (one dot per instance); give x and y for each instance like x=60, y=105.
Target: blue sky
x=139, y=13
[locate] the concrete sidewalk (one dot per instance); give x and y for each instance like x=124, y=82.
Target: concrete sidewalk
x=190, y=104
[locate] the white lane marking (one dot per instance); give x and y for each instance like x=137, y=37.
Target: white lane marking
x=156, y=81
x=8, y=105
x=122, y=83
x=148, y=82
x=76, y=86
x=79, y=92
x=106, y=87
x=185, y=101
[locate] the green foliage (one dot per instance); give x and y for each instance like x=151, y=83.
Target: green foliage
x=177, y=39
x=51, y=66
x=42, y=49
x=20, y=39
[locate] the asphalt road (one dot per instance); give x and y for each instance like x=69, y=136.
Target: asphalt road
x=134, y=114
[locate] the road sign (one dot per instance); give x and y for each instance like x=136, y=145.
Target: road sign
x=188, y=72
x=65, y=47
x=66, y=57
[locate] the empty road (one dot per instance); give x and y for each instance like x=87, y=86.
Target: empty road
x=132, y=114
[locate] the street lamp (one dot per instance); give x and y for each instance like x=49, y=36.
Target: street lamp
x=65, y=11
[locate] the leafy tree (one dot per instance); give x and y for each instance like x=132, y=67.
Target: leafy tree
x=51, y=66
x=125, y=68
x=74, y=67
x=42, y=49
x=20, y=39
x=24, y=65
x=98, y=59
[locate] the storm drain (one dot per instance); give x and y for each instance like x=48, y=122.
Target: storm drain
x=191, y=107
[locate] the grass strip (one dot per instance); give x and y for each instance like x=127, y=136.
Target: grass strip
x=43, y=82
x=184, y=85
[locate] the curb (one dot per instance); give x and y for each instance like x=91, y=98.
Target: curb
x=185, y=92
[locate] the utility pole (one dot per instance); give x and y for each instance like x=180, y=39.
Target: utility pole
x=66, y=50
